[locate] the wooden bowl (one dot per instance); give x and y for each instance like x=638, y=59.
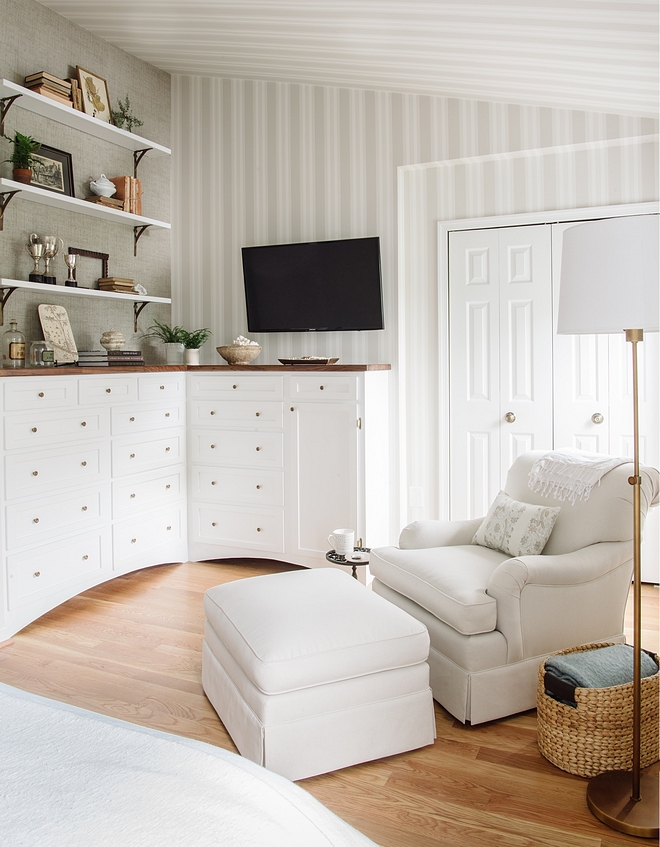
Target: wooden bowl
x=239, y=354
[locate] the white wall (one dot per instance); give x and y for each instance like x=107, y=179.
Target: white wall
x=258, y=163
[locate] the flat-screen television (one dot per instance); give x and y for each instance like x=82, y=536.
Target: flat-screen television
x=314, y=286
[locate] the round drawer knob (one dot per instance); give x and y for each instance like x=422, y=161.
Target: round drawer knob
x=509, y=417
x=35, y=520
x=212, y=413
x=132, y=496
x=167, y=414
x=597, y=418
x=258, y=487
x=132, y=420
x=212, y=482
x=84, y=508
x=37, y=574
x=34, y=429
x=257, y=414
x=83, y=423
x=133, y=540
x=213, y=523
x=41, y=394
x=168, y=486
x=322, y=387
x=162, y=388
x=169, y=528
x=84, y=464
x=85, y=557
x=167, y=449
x=292, y=409
x=132, y=455
x=234, y=386
x=108, y=390
x=212, y=446
x=258, y=529
x=258, y=449
x=35, y=473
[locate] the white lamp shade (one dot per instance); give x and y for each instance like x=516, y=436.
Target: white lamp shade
x=609, y=276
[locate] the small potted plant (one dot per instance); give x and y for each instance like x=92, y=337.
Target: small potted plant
x=171, y=336
x=192, y=341
x=123, y=118
x=22, y=157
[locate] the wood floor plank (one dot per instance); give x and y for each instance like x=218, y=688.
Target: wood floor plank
x=131, y=648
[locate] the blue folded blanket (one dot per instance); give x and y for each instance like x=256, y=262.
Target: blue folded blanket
x=598, y=668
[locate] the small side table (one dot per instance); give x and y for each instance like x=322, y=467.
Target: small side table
x=361, y=558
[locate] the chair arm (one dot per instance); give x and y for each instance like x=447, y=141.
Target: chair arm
x=548, y=603
x=422, y=534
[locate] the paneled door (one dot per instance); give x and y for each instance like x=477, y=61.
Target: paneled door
x=500, y=348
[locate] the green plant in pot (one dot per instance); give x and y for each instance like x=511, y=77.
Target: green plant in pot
x=22, y=157
x=171, y=336
x=192, y=341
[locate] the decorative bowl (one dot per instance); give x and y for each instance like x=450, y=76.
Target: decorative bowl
x=239, y=354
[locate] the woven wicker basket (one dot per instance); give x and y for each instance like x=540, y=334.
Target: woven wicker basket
x=597, y=735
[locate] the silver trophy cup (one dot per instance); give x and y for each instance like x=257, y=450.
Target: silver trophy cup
x=52, y=246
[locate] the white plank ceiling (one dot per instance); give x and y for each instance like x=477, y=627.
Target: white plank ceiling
x=599, y=55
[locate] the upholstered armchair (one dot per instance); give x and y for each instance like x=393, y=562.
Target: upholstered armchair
x=492, y=616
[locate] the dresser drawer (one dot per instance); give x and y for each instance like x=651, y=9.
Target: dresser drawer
x=249, y=413
x=323, y=387
x=256, y=488
x=257, y=529
x=132, y=455
x=39, y=393
x=147, y=491
x=239, y=449
x=236, y=385
x=46, y=470
x=133, y=537
x=37, y=430
x=109, y=389
x=45, y=517
x=140, y=418
x=163, y=386
x=37, y=574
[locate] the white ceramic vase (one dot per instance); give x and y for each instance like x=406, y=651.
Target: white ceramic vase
x=191, y=356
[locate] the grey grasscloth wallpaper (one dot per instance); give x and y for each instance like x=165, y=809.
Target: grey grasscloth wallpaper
x=33, y=38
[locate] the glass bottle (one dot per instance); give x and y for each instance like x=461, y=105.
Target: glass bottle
x=13, y=347
x=41, y=354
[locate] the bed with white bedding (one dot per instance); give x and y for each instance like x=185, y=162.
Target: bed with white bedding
x=72, y=778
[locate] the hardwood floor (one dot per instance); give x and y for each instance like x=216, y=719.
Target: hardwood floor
x=132, y=649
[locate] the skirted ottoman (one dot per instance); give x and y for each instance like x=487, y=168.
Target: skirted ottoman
x=309, y=671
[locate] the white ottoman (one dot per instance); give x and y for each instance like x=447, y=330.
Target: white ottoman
x=310, y=671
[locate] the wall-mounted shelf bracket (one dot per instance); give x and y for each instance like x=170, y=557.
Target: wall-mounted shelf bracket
x=5, y=105
x=138, y=232
x=138, y=155
x=5, y=294
x=5, y=197
x=137, y=311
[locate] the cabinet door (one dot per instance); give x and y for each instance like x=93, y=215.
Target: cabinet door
x=500, y=358
x=322, y=479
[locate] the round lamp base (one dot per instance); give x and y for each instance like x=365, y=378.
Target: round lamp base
x=609, y=799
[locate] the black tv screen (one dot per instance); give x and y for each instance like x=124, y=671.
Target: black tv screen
x=314, y=286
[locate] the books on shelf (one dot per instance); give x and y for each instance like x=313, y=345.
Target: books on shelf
x=50, y=86
x=129, y=189
x=110, y=358
x=92, y=358
x=109, y=202
x=116, y=283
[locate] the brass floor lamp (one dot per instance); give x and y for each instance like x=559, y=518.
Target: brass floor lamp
x=609, y=283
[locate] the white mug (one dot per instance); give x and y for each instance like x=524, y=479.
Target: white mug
x=341, y=541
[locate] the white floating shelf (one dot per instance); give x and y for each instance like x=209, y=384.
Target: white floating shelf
x=72, y=204
x=71, y=117
x=80, y=292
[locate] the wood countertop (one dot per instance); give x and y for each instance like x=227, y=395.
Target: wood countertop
x=66, y=370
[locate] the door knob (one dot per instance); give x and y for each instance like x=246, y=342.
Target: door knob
x=597, y=418
x=509, y=417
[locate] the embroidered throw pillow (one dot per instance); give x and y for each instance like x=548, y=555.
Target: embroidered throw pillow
x=518, y=529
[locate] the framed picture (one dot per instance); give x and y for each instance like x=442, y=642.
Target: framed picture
x=95, y=98
x=52, y=169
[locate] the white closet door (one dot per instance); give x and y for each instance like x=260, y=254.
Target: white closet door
x=500, y=333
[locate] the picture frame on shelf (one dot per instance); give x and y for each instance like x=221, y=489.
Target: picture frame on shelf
x=95, y=97
x=52, y=169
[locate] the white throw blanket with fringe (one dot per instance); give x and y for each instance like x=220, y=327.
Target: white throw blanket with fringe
x=570, y=475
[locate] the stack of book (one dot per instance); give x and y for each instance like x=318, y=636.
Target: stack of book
x=92, y=358
x=125, y=358
x=110, y=202
x=50, y=86
x=129, y=189
x=116, y=283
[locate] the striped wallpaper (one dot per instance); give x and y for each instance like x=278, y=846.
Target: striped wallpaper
x=266, y=162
